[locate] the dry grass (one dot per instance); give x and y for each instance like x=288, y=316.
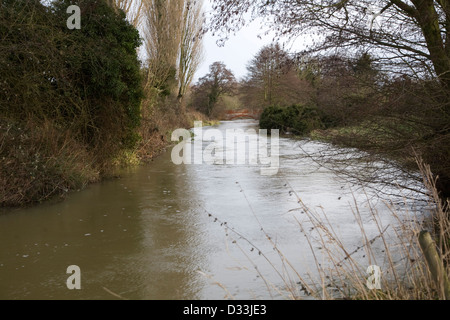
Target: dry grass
x=38, y=162
x=158, y=122
x=405, y=274
x=342, y=274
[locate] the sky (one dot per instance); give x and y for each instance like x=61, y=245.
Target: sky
x=238, y=50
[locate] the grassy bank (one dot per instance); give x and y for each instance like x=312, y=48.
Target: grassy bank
x=392, y=138
x=40, y=161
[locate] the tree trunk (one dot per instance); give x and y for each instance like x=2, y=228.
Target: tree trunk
x=428, y=20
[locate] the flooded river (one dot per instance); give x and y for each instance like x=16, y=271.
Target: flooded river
x=166, y=231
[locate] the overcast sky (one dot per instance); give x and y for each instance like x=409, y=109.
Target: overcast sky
x=236, y=52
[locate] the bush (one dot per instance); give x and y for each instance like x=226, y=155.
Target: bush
x=298, y=119
x=69, y=99
x=87, y=80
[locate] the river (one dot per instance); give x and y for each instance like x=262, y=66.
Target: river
x=199, y=231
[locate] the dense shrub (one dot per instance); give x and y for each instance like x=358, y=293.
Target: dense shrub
x=87, y=80
x=69, y=99
x=298, y=119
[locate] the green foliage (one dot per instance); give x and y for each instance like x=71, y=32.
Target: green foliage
x=273, y=118
x=102, y=57
x=298, y=119
x=87, y=80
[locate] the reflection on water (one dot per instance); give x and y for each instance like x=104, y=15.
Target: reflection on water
x=164, y=231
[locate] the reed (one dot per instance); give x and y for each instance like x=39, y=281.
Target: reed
x=341, y=274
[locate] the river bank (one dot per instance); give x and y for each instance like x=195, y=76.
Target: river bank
x=41, y=161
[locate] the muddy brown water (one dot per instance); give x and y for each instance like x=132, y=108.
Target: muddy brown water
x=165, y=231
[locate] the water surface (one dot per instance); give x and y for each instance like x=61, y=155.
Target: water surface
x=164, y=231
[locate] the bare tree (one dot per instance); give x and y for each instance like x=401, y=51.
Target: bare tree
x=273, y=79
x=191, y=48
x=267, y=68
x=132, y=8
x=162, y=36
x=211, y=87
x=173, y=43
x=415, y=31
